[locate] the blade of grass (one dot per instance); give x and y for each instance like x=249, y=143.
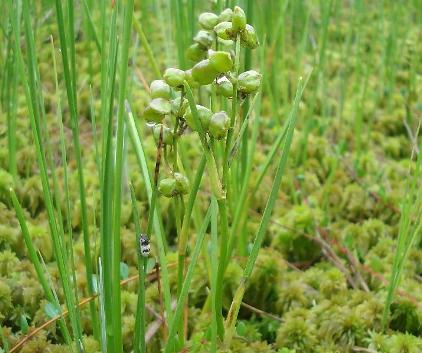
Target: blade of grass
x=91, y=25
x=139, y=339
x=101, y=301
x=33, y=103
x=116, y=243
x=57, y=192
x=11, y=105
x=186, y=284
x=32, y=253
x=108, y=78
x=140, y=154
x=237, y=300
x=69, y=70
x=214, y=269
x=409, y=229
x=183, y=235
x=147, y=47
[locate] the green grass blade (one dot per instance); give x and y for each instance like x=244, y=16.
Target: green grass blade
x=33, y=102
x=235, y=306
x=91, y=25
x=32, y=253
x=140, y=154
x=214, y=269
x=116, y=243
x=67, y=45
x=147, y=47
x=139, y=344
x=186, y=284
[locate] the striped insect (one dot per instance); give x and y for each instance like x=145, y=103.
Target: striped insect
x=144, y=245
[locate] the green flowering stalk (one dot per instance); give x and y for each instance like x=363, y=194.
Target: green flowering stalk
x=174, y=111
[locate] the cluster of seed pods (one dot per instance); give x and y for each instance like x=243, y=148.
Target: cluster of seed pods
x=216, y=67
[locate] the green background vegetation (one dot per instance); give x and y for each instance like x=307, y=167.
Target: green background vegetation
x=340, y=264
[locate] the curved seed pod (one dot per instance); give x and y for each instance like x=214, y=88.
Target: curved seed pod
x=224, y=30
x=226, y=15
x=221, y=61
x=160, y=89
x=161, y=106
x=208, y=20
x=249, y=81
x=167, y=187
x=238, y=19
x=224, y=87
x=182, y=184
x=177, y=108
x=151, y=115
x=219, y=124
x=167, y=134
x=204, y=73
x=249, y=38
x=196, y=52
x=204, y=38
x=190, y=80
x=204, y=117
x=174, y=77
x=225, y=42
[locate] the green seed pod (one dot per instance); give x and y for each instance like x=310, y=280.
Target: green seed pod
x=204, y=38
x=219, y=124
x=151, y=115
x=160, y=89
x=161, y=106
x=177, y=108
x=224, y=30
x=225, y=42
x=182, y=184
x=221, y=61
x=190, y=80
x=238, y=19
x=224, y=88
x=248, y=37
x=207, y=20
x=249, y=81
x=204, y=73
x=174, y=77
x=196, y=52
x=204, y=117
x=167, y=134
x=225, y=16
x=167, y=187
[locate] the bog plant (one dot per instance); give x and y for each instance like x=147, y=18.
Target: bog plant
x=178, y=108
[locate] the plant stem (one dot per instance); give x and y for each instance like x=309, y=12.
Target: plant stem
x=139, y=344
x=147, y=47
x=32, y=253
x=140, y=154
x=186, y=284
x=237, y=300
x=70, y=79
x=124, y=57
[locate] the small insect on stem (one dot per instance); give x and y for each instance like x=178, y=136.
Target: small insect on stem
x=144, y=245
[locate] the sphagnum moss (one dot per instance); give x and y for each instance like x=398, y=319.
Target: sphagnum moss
x=360, y=117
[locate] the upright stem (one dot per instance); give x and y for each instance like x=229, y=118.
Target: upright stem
x=222, y=203
x=139, y=345
x=233, y=115
x=237, y=300
x=117, y=326
x=70, y=80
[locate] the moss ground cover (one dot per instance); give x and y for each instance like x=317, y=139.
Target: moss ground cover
x=267, y=152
